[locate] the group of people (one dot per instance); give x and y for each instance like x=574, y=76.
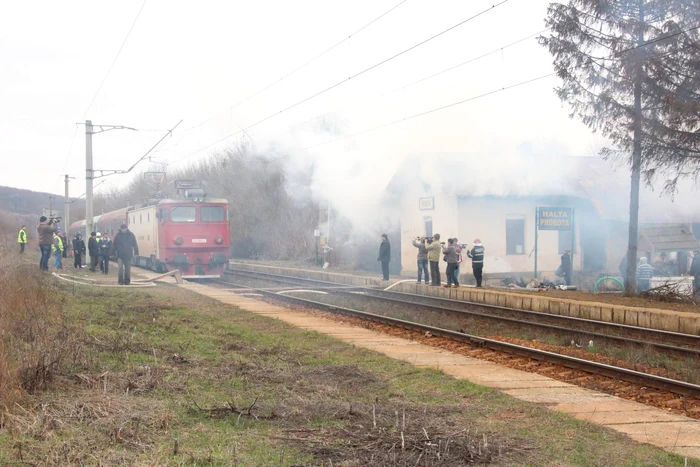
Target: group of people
x=645, y=272
x=53, y=241
x=429, y=251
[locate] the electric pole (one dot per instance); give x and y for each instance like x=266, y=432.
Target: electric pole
x=89, y=175
x=51, y=206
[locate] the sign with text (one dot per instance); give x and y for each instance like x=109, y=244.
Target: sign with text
x=554, y=218
x=426, y=204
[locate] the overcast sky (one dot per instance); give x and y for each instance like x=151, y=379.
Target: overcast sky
x=196, y=60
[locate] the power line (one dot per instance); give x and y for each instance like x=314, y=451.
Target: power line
x=339, y=83
x=437, y=109
x=298, y=68
x=482, y=95
x=115, y=59
x=65, y=164
x=446, y=70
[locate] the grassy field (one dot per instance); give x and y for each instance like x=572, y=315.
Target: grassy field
x=164, y=377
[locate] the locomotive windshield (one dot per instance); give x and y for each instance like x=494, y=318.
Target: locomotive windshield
x=183, y=214
x=212, y=214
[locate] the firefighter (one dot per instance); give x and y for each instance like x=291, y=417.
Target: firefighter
x=22, y=238
x=477, y=256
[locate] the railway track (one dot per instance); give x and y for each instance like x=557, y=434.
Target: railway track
x=683, y=344
x=633, y=376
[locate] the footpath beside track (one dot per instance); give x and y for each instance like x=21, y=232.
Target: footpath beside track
x=674, y=433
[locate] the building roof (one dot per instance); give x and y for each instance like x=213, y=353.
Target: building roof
x=590, y=178
x=672, y=237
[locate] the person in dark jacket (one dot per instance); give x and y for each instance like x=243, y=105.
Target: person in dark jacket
x=124, y=247
x=93, y=250
x=105, y=251
x=385, y=256
x=477, y=256
x=78, y=250
x=64, y=239
x=45, y=231
x=695, y=271
x=422, y=258
x=566, y=266
x=451, y=258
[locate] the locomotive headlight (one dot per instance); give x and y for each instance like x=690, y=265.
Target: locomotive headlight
x=219, y=240
x=178, y=240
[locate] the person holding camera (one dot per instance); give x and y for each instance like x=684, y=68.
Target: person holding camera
x=451, y=259
x=385, y=256
x=477, y=256
x=458, y=249
x=434, y=248
x=422, y=258
x=45, y=231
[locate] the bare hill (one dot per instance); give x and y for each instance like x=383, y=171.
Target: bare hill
x=33, y=203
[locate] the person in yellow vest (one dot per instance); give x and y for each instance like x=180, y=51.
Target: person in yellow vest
x=57, y=248
x=22, y=238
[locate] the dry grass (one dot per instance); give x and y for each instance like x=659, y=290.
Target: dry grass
x=35, y=340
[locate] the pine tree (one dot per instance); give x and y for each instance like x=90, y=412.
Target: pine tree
x=631, y=70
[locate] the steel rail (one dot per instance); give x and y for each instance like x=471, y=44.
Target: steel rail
x=680, y=338
x=633, y=376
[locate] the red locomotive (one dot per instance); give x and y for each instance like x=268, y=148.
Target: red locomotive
x=189, y=233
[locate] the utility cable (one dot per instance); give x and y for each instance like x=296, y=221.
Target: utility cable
x=339, y=83
x=426, y=78
x=481, y=95
x=115, y=60
x=303, y=65
x=437, y=109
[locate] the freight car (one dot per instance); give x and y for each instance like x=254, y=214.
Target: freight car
x=190, y=234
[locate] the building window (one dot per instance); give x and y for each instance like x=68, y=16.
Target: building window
x=515, y=236
x=565, y=241
x=428, y=222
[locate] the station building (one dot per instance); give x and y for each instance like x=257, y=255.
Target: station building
x=501, y=201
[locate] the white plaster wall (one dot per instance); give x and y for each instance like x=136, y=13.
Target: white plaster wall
x=445, y=222
x=485, y=218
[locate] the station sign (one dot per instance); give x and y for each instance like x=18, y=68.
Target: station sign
x=554, y=218
x=426, y=204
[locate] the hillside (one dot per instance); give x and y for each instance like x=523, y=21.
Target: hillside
x=19, y=201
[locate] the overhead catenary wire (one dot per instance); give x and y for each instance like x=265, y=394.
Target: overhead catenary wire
x=115, y=60
x=644, y=44
x=437, y=109
x=303, y=65
x=339, y=83
x=439, y=73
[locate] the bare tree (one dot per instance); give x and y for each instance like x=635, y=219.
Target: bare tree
x=631, y=70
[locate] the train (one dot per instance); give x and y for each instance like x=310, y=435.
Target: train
x=188, y=232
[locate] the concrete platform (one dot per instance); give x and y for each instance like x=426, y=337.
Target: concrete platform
x=666, y=320
x=645, y=424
